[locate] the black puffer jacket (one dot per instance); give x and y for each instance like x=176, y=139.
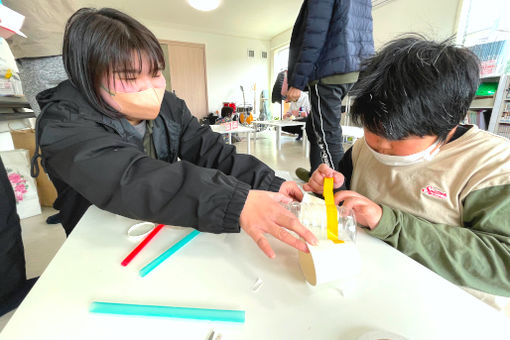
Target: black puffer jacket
x=329, y=37
x=94, y=159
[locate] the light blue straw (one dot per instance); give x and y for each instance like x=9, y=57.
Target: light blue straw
x=168, y=311
x=158, y=260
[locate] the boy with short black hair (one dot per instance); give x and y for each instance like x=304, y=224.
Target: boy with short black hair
x=436, y=190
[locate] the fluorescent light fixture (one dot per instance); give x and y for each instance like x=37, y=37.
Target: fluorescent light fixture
x=204, y=5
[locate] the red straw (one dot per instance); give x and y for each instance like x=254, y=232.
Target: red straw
x=142, y=244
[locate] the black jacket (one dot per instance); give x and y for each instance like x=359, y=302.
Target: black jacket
x=329, y=37
x=94, y=159
x=12, y=258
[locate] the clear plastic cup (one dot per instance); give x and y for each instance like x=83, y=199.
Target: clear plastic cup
x=314, y=217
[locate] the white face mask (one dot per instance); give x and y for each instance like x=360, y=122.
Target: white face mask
x=422, y=156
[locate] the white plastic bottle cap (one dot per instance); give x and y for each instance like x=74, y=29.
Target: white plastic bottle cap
x=138, y=231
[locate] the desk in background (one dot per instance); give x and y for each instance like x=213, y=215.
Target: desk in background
x=278, y=124
x=352, y=131
x=349, y=133
x=393, y=293
x=240, y=129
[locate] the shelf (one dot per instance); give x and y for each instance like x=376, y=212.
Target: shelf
x=482, y=103
x=492, y=78
x=11, y=102
x=18, y=115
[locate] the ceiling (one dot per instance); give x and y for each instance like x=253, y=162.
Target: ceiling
x=261, y=19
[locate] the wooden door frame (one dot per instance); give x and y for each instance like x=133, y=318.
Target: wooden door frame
x=189, y=44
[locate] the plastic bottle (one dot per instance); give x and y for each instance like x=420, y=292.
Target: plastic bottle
x=250, y=118
x=314, y=217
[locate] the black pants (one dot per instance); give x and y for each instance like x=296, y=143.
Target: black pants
x=12, y=256
x=323, y=125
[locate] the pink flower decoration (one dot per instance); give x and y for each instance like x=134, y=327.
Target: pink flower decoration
x=19, y=196
x=14, y=178
x=21, y=187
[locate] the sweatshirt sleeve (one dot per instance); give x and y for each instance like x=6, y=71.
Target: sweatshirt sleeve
x=200, y=146
x=475, y=254
x=118, y=177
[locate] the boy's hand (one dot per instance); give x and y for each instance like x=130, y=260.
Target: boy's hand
x=316, y=181
x=291, y=190
x=367, y=213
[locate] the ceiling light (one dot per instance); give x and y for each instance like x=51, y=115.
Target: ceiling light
x=204, y=5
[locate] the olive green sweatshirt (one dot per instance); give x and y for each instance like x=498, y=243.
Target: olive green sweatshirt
x=452, y=213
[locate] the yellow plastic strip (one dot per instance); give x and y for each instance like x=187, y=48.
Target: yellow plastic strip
x=332, y=218
x=334, y=238
x=331, y=211
x=328, y=191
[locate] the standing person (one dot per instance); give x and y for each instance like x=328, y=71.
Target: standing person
x=329, y=40
x=113, y=137
x=39, y=56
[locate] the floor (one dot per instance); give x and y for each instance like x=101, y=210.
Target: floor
x=42, y=241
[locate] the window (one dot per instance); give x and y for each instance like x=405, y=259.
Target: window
x=484, y=28
x=280, y=63
x=281, y=60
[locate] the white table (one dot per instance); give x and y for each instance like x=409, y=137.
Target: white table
x=347, y=131
x=393, y=292
x=240, y=129
x=278, y=124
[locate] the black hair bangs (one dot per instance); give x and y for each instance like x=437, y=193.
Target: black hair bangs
x=415, y=87
x=127, y=52
x=98, y=43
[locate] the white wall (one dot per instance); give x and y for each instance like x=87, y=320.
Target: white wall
x=277, y=42
x=434, y=18
x=437, y=19
x=227, y=63
x=281, y=39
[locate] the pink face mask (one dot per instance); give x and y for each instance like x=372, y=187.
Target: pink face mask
x=139, y=98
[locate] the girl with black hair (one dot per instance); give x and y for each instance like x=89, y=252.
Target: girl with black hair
x=112, y=136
